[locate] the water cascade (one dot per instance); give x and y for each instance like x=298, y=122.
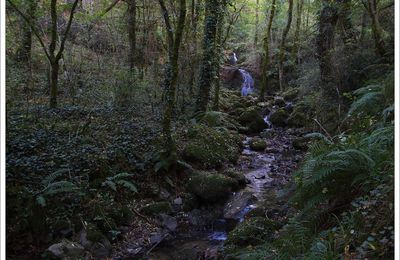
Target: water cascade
x=248, y=83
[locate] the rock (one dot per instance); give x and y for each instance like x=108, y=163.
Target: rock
x=210, y=148
x=210, y=188
x=157, y=208
x=234, y=208
x=278, y=118
x=95, y=242
x=169, y=222
x=257, y=144
x=291, y=94
x=218, y=119
x=237, y=176
x=252, y=119
x=297, y=119
x=268, y=133
x=198, y=217
x=178, y=201
x=66, y=250
x=252, y=232
x=190, y=202
x=164, y=194
x=280, y=102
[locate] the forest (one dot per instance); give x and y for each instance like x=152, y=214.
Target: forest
x=200, y=129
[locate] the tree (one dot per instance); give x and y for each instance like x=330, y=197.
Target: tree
x=377, y=31
x=24, y=51
x=257, y=23
x=174, y=39
x=296, y=41
x=207, y=71
x=52, y=55
x=345, y=23
x=265, y=57
x=282, y=45
x=132, y=32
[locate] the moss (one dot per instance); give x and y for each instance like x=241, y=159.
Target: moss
x=209, y=187
x=210, y=148
x=252, y=232
x=291, y=94
x=252, y=119
x=218, y=119
x=297, y=119
x=157, y=208
x=93, y=233
x=237, y=176
x=257, y=144
x=278, y=118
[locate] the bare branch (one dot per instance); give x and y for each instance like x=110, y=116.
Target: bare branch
x=64, y=38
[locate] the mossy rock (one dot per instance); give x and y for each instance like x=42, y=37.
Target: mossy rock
x=157, y=208
x=280, y=102
x=258, y=144
x=210, y=148
x=218, y=119
x=252, y=232
x=297, y=119
x=291, y=94
x=209, y=187
x=279, y=117
x=252, y=119
x=238, y=177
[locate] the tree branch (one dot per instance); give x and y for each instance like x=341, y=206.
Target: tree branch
x=167, y=21
x=64, y=38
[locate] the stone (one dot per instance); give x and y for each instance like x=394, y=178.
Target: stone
x=257, y=144
x=169, y=222
x=178, y=201
x=280, y=102
x=279, y=117
x=95, y=242
x=253, y=120
x=65, y=250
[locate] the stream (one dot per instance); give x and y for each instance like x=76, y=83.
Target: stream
x=266, y=173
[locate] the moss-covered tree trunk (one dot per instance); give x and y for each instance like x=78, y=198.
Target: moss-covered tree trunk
x=296, y=41
x=265, y=57
x=345, y=23
x=207, y=70
x=377, y=30
x=174, y=39
x=257, y=23
x=132, y=33
x=283, y=43
x=24, y=51
x=220, y=48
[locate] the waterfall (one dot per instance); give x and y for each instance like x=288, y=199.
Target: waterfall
x=248, y=83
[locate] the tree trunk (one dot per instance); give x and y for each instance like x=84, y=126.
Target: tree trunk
x=346, y=25
x=376, y=28
x=24, y=51
x=219, y=48
x=257, y=23
x=265, y=58
x=207, y=72
x=54, y=68
x=171, y=74
x=296, y=42
x=283, y=42
x=132, y=32
x=363, y=27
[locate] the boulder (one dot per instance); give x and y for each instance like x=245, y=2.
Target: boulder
x=65, y=250
x=210, y=148
x=252, y=232
x=252, y=119
x=157, y=208
x=218, y=119
x=95, y=242
x=297, y=119
x=280, y=102
x=258, y=144
x=279, y=117
x=211, y=187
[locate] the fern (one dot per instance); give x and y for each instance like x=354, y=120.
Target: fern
x=370, y=103
x=120, y=180
x=55, y=175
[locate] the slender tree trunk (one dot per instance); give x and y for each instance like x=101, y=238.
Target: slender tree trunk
x=171, y=73
x=325, y=44
x=24, y=51
x=296, y=42
x=257, y=23
x=376, y=27
x=54, y=69
x=207, y=72
x=346, y=25
x=282, y=45
x=265, y=58
x=363, y=27
x=132, y=33
x=220, y=48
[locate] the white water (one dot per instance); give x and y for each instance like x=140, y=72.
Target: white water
x=248, y=83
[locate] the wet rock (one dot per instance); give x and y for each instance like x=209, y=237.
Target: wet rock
x=252, y=119
x=253, y=231
x=236, y=205
x=156, y=208
x=210, y=188
x=279, y=101
x=237, y=176
x=178, y=201
x=65, y=250
x=279, y=117
x=198, y=217
x=268, y=133
x=257, y=144
x=95, y=242
x=169, y=222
